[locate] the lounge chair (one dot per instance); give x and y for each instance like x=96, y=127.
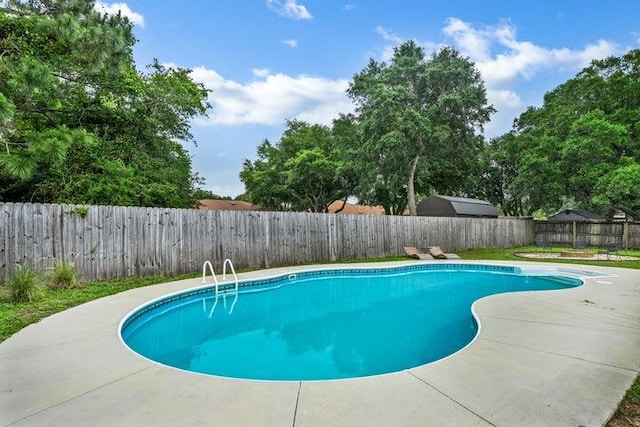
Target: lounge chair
x=413, y=252
x=438, y=253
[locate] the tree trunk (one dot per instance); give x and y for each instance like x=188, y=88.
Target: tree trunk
x=344, y=203
x=411, y=193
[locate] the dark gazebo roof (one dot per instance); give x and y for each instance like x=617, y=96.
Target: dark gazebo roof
x=456, y=206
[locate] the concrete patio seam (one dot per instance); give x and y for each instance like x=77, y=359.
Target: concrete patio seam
x=450, y=398
x=632, y=330
x=58, y=344
x=71, y=399
x=553, y=353
x=295, y=411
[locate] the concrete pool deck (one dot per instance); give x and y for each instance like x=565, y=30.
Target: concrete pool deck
x=562, y=358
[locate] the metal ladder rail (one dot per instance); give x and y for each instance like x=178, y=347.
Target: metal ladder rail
x=215, y=281
x=204, y=273
x=235, y=279
x=217, y=286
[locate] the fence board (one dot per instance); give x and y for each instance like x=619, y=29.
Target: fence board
x=595, y=234
x=129, y=241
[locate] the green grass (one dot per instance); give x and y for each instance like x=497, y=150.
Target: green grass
x=16, y=315
x=628, y=412
x=63, y=275
x=24, y=285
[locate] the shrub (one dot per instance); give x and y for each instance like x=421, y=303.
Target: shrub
x=63, y=275
x=24, y=284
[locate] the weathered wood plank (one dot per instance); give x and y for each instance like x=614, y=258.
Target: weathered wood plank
x=119, y=241
x=5, y=213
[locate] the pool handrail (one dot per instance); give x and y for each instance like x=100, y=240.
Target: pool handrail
x=217, y=284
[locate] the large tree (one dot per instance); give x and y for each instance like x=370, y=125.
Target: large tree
x=305, y=170
x=582, y=146
x=421, y=125
x=78, y=122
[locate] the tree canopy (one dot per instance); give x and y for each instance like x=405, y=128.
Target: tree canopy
x=421, y=122
x=305, y=170
x=582, y=146
x=78, y=122
x=417, y=130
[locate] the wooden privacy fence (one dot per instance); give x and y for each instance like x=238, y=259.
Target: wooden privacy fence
x=595, y=234
x=111, y=241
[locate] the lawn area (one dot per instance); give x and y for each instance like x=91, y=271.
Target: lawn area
x=15, y=316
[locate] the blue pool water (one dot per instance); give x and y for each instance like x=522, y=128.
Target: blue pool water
x=325, y=324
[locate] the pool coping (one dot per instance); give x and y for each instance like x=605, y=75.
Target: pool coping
x=562, y=357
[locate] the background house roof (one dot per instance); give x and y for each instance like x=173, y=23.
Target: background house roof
x=352, y=209
x=228, y=205
x=239, y=205
x=577, y=215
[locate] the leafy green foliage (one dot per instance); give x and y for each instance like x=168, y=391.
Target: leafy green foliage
x=582, y=145
x=201, y=194
x=78, y=122
x=619, y=187
x=305, y=170
x=418, y=121
x=497, y=163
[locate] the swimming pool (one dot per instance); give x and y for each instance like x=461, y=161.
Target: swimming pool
x=325, y=324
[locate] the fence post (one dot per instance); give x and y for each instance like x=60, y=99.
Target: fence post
x=573, y=234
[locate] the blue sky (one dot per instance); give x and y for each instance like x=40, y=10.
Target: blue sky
x=271, y=60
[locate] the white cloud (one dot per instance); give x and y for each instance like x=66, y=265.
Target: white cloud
x=389, y=35
x=261, y=72
x=289, y=9
x=396, y=40
x=504, y=61
x=470, y=41
x=504, y=98
x=123, y=8
x=273, y=98
x=292, y=43
x=501, y=58
x=349, y=6
x=517, y=59
x=508, y=105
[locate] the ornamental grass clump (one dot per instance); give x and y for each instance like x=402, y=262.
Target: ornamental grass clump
x=63, y=275
x=24, y=284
